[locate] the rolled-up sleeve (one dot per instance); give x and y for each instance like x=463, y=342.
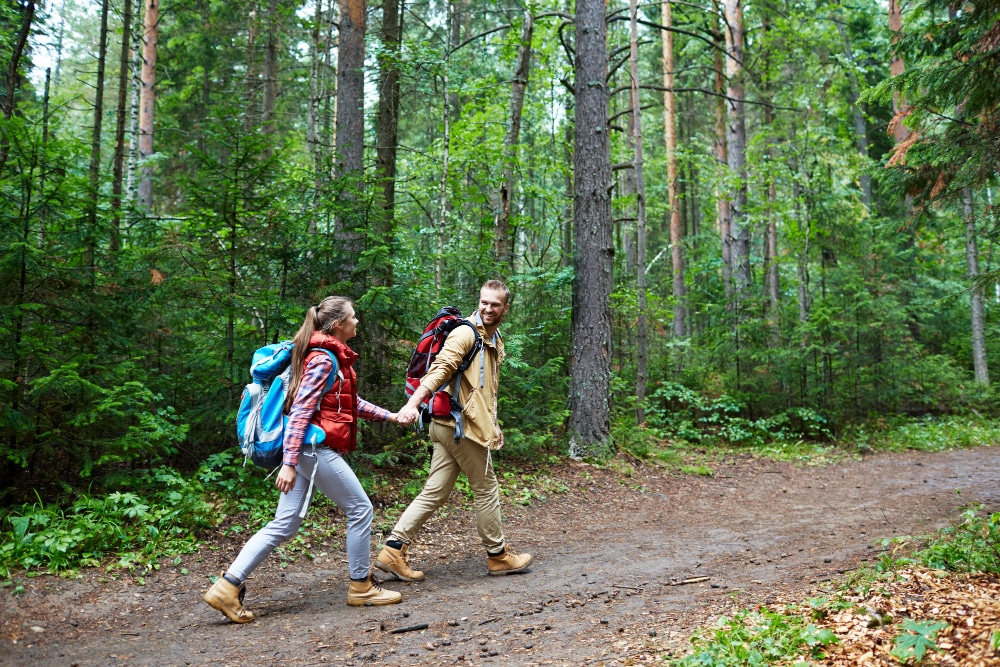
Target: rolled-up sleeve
x=371, y=412
x=307, y=399
x=458, y=343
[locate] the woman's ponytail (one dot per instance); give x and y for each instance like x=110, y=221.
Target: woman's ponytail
x=330, y=310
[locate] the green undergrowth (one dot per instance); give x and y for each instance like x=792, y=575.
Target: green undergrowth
x=789, y=636
x=161, y=514
x=693, y=447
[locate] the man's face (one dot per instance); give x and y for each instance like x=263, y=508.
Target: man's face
x=492, y=307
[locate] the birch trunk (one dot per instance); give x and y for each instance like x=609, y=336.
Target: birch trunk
x=147, y=102
x=590, y=368
x=501, y=230
x=979, y=362
x=119, y=161
x=133, y=119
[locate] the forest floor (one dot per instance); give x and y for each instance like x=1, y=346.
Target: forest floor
x=614, y=549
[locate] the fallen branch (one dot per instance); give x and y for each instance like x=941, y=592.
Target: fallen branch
x=489, y=620
x=409, y=628
x=689, y=580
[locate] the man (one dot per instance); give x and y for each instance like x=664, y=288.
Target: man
x=470, y=453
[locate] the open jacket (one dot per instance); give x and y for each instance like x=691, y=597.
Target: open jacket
x=477, y=391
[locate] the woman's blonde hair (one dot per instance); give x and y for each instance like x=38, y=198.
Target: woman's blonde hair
x=330, y=310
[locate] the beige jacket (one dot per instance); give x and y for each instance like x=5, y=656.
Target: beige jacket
x=477, y=390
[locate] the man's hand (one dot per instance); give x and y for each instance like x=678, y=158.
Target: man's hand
x=407, y=414
x=499, y=438
x=286, y=478
x=400, y=418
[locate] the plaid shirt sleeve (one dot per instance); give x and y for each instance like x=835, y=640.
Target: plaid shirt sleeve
x=306, y=401
x=371, y=412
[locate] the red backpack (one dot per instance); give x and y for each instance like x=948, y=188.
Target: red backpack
x=440, y=403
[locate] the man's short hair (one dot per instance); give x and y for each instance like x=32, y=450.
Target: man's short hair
x=498, y=286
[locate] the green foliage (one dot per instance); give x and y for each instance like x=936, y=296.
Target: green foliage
x=929, y=434
x=756, y=638
x=971, y=544
x=917, y=639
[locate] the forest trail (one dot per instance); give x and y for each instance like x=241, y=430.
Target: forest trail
x=609, y=554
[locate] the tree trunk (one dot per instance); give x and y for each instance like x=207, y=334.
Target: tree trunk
x=387, y=127
x=13, y=78
x=147, y=102
x=312, y=110
x=736, y=139
x=722, y=156
x=95, y=144
x=443, y=200
x=43, y=213
x=896, y=67
x=590, y=370
x=350, y=88
x=119, y=162
x=270, y=98
x=972, y=262
x=501, y=230
x=250, y=82
x=860, y=127
x=133, y=118
x=670, y=139
x=642, y=333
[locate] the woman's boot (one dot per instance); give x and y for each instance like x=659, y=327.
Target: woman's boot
x=367, y=592
x=228, y=599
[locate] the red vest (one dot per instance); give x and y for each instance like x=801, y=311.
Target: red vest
x=338, y=410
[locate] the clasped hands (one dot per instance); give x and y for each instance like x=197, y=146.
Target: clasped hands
x=407, y=415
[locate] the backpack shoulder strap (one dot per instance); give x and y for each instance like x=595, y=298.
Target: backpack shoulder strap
x=335, y=373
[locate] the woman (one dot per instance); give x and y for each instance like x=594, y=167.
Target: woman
x=329, y=326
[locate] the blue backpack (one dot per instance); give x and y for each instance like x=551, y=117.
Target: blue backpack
x=260, y=421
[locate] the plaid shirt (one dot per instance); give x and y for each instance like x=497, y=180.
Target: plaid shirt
x=307, y=400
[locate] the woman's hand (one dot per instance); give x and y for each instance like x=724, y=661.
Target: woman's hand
x=286, y=478
x=400, y=418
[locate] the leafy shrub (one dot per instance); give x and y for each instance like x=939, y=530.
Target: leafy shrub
x=756, y=638
x=970, y=545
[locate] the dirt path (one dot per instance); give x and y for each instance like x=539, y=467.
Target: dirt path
x=606, y=554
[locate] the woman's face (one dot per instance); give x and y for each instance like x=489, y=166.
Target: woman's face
x=347, y=328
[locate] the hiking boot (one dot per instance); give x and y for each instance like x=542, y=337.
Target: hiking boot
x=228, y=599
x=394, y=562
x=507, y=562
x=368, y=593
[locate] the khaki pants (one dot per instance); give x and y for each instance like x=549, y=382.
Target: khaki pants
x=448, y=460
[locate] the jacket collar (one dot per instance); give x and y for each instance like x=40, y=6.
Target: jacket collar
x=345, y=354
x=477, y=319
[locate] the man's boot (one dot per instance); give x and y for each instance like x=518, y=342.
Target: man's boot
x=507, y=561
x=394, y=562
x=228, y=599
x=368, y=593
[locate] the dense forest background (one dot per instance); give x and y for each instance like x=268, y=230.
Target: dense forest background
x=720, y=222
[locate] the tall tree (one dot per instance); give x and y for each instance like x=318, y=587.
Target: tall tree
x=270, y=98
x=147, y=100
x=501, y=229
x=590, y=372
x=670, y=139
x=642, y=333
x=117, y=178
x=95, y=142
x=722, y=157
x=12, y=76
x=351, y=123
x=979, y=362
x=387, y=124
x=896, y=67
x=736, y=143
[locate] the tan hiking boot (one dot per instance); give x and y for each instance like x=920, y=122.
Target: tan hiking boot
x=229, y=600
x=368, y=593
x=508, y=562
x=395, y=562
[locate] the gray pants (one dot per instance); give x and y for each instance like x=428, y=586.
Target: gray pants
x=338, y=483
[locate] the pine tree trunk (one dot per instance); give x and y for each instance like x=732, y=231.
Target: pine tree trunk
x=979, y=362
x=387, y=125
x=312, y=109
x=670, y=139
x=95, y=145
x=147, y=101
x=443, y=198
x=642, y=333
x=501, y=230
x=12, y=77
x=119, y=161
x=43, y=212
x=860, y=126
x=722, y=156
x=736, y=139
x=590, y=370
x=896, y=67
x=250, y=82
x=270, y=98
x=351, y=125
